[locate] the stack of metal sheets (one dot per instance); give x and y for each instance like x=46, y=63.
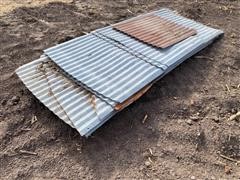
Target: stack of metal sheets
x=85, y=81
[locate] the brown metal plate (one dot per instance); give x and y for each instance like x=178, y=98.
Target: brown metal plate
x=155, y=30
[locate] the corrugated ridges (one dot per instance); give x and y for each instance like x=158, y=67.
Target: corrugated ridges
x=136, y=54
x=170, y=55
x=72, y=103
x=92, y=73
x=104, y=68
x=155, y=30
x=111, y=72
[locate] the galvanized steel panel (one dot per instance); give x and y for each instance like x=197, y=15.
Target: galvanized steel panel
x=72, y=103
x=84, y=80
x=104, y=68
x=113, y=65
x=155, y=30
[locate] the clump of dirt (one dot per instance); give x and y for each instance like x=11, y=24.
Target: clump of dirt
x=186, y=130
x=230, y=146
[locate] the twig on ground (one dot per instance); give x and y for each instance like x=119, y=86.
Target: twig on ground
x=130, y=11
x=229, y=158
x=28, y=152
x=228, y=89
x=145, y=118
x=151, y=152
x=34, y=119
x=234, y=116
x=203, y=57
x=150, y=160
x=26, y=129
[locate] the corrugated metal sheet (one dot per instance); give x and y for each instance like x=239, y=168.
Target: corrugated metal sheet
x=155, y=30
x=171, y=55
x=72, y=103
x=108, y=69
x=87, y=80
x=104, y=68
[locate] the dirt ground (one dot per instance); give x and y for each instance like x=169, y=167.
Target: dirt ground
x=187, y=134
x=7, y=6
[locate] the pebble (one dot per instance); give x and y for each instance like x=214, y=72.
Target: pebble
x=14, y=100
x=215, y=119
x=179, y=121
x=193, y=177
x=4, y=57
x=189, y=122
x=147, y=163
x=234, y=111
x=141, y=168
x=118, y=176
x=194, y=118
x=227, y=169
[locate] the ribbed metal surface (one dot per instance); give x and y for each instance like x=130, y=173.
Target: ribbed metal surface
x=72, y=103
x=101, y=61
x=87, y=80
x=155, y=30
x=104, y=68
x=171, y=55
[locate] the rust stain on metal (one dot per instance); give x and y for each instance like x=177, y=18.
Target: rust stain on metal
x=133, y=98
x=155, y=30
x=93, y=101
x=43, y=68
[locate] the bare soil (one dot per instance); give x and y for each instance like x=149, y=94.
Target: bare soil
x=7, y=6
x=186, y=135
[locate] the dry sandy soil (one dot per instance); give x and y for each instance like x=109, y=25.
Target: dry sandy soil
x=7, y=6
x=187, y=134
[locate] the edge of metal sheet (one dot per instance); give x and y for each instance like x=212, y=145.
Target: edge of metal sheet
x=71, y=103
x=102, y=97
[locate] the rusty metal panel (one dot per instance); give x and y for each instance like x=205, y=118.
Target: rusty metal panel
x=155, y=30
x=171, y=56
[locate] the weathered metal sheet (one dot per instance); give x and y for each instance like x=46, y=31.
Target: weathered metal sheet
x=116, y=68
x=104, y=68
x=155, y=30
x=87, y=80
x=171, y=55
x=72, y=103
